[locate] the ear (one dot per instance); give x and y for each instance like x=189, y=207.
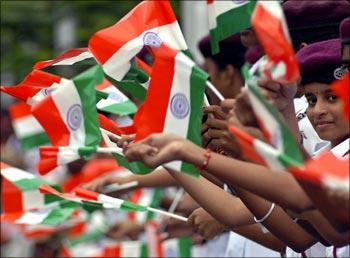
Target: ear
x=229, y=72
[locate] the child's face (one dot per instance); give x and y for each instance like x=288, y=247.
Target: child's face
x=326, y=113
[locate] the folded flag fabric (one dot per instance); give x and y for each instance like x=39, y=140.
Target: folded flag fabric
x=35, y=86
x=177, y=247
x=174, y=100
x=145, y=197
x=149, y=23
x=69, y=57
x=116, y=102
x=342, y=88
x=325, y=169
x=104, y=249
x=261, y=152
x=275, y=130
x=271, y=29
x=27, y=129
x=226, y=18
x=69, y=114
x=20, y=190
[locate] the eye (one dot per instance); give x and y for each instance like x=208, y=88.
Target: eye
x=311, y=100
x=331, y=98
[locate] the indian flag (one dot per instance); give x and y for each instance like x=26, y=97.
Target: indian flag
x=174, y=100
x=271, y=29
x=150, y=23
x=275, y=130
x=227, y=18
x=20, y=190
x=116, y=102
x=145, y=197
x=27, y=129
x=177, y=247
x=261, y=152
x=325, y=169
x=69, y=57
x=37, y=85
x=69, y=114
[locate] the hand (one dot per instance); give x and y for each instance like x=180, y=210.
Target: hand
x=205, y=224
x=123, y=141
x=243, y=110
x=158, y=149
x=175, y=229
x=123, y=229
x=99, y=183
x=280, y=94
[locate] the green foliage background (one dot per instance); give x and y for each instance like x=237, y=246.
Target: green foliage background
x=27, y=28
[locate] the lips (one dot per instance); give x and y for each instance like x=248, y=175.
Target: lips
x=323, y=124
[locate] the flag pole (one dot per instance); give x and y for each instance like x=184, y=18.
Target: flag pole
x=215, y=91
x=172, y=215
x=117, y=187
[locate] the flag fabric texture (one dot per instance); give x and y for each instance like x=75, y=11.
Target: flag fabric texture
x=35, y=86
x=69, y=114
x=116, y=102
x=261, y=152
x=146, y=197
x=342, y=88
x=69, y=57
x=27, y=129
x=174, y=100
x=275, y=130
x=149, y=23
x=271, y=29
x=325, y=169
x=227, y=18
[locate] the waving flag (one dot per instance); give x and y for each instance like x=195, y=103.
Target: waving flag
x=27, y=128
x=20, y=190
x=271, y=29
x=35, y=86
x=342, y=88
x=275, y=130
x=325, y=169
x=261, y=152
x=116, y=102
x=69, y=57
x=149, y=23
x=145, y=197
x=227, y=18
x=174, y=100
x=69, y=114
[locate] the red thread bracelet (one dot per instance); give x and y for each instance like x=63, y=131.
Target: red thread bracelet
x=207, y=156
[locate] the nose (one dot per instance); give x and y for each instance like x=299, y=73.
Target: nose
x=320, y=108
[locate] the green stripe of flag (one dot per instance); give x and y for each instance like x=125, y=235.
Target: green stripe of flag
x=136, y=167
x=185, y=246
x=197, y=81
x=85, y=85
x=32, y=141
x=122, y=109
x=157, y=197
x=231, y=22
x=58, y=216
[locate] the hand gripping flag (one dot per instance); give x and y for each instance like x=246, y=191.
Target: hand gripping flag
x=274, y=128
x=342, y=88
x=69, y=114
x=226, y=18
x=149, y=23
x=271, y=29
x=174, y=100
x=35, y=86
x=116, y=102
x=325, y=169
x=27, y=129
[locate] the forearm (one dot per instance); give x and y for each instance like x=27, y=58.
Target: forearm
x=278, y=222
x=272, y=185
x=219, y=204
x=254, y=233
x=159, y=178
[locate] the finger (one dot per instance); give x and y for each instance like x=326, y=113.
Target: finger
x=227, y=105
x=190, y=220
x=113, y=138
x=215, y=110
x=216, y=123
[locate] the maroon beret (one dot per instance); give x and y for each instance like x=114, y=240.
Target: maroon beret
x=320, y=62
x=231, y=51
x=312, y=21
x=345, y=31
